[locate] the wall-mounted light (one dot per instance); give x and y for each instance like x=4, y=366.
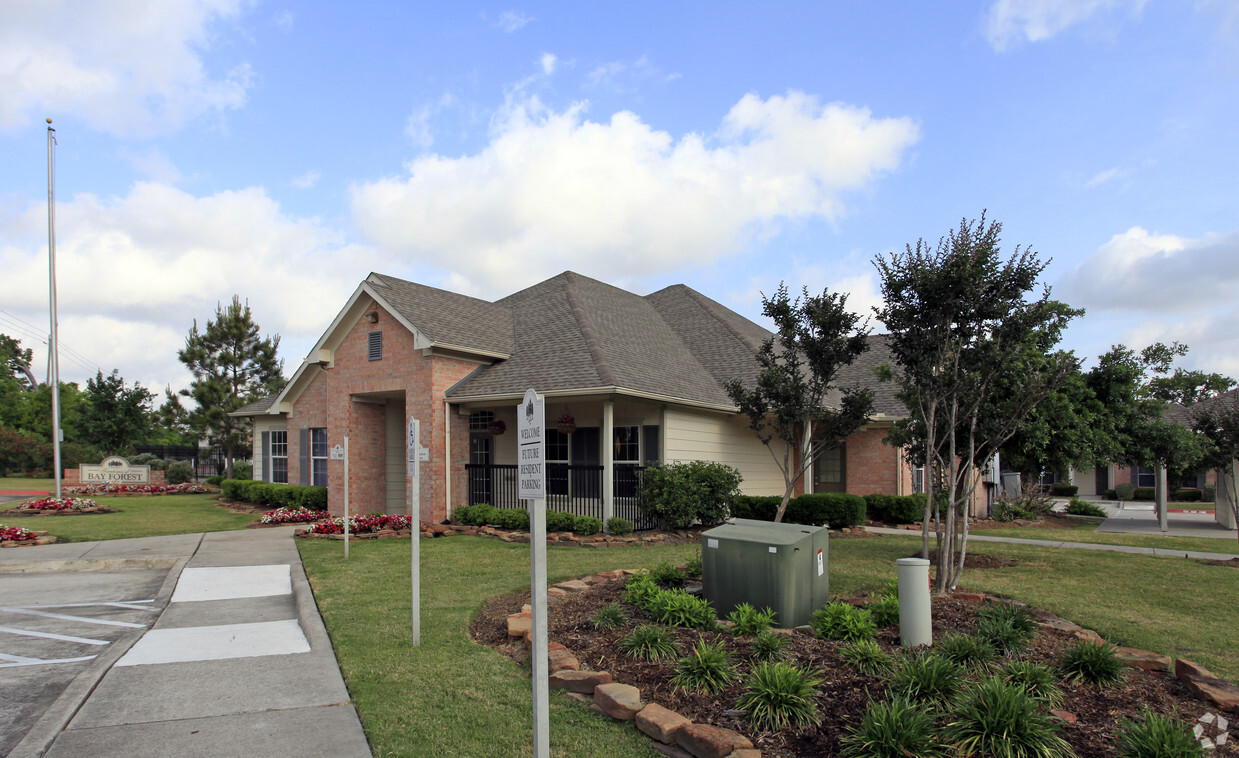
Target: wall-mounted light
x=372, y=316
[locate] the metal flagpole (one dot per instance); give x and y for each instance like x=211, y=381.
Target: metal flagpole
x=53, y=345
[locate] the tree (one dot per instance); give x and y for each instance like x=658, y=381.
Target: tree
x=1189, y=387
x=1217, y=421
x=973, y=359
x=115, y=416
x=1064, y=431
x=16, y=362
x=793, y=399
x=232, y=366
x=172, y=421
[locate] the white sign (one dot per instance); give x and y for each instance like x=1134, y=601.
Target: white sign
x=412, y=446
x=114, y=469
x=337, y=453
x=531, y=453
x=423, y=455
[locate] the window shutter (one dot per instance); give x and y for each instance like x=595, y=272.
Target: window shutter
x=304, y=455
x=265, y=447
x=376, y=346
x=651, y=453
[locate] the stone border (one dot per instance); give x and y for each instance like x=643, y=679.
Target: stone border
x=431, y=531
x=24, y=513
x=40, y=538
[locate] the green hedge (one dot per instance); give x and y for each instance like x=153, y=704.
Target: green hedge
x=1187, y=495
x=836, y=510
x=518, y=518
x=1064, y=490
x=895, y=509
x=1144, y=493
x=756, y=507
x=275, y=495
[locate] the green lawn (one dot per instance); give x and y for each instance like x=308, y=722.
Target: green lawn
x=139, y=517
x=1085, y=533
x=451, y=697
x=24, y=484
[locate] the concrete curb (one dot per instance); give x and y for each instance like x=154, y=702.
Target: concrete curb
x=86, y=564
x=54, y=720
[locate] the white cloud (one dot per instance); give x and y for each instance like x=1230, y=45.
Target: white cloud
x=135, y=271
x=553, y=191
x=548, y=61
x=306, y=180
x=510, y=21
x=152, y=164
x=124, y=67
x=419, y=127
x=1105, y=176
x=1010, y=22
x=624, y=76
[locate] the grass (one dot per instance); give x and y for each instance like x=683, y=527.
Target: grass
x=25, y=484
x=452, y=697
x=1085, y=533
x=140, y=517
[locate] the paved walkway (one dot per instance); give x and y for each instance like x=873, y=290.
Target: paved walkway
x=238, y=662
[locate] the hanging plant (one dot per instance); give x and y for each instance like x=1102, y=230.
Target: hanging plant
x=497, y=427
x=566, y=424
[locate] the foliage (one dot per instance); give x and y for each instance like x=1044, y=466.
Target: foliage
x=619, y=526
x=293, y=516
x=242, y=470
x=1157, y=736
x=815, y=338
x=1124, y=491
x=649, y=643
x=585, y=525
x=1189, y=387
x=1030, y=507
x=707, y=669
x=608, y=617
x=115, y=416
x=971, y=651
x=1063, y=490
x=511, y=518
x=886, y=610
x=747, y=621
x=556, y=521
x=1000, y=719
x=15, y=533
x=973, y=358
x=678, y=608
x=361, y=524
x=834, y=509
x=667, y=575
x=679, y=493
x=59, y=504
x=1216, y=422
x=179, y=472
x=640, y=589
x=1091, y=663
x=1078, y=507
x=477, y=515
x=278, y=495
x=693, y=564
x=897, y=728
x=780, y=696
x=868, y=656
x=843, y=622
x=894, y=509
x=1006, y=628
x=232, y=365
x=769, y=646
x=1036, y=679
x=925, y=677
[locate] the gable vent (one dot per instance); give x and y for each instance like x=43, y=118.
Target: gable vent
x=376, y=346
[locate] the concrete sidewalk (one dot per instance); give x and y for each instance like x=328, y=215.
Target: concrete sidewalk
x=237, y=664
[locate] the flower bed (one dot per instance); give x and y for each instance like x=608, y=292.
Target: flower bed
x=140, y=489
x=15, y=534
x=63, y=504
x=293, y=516
x=360, y=524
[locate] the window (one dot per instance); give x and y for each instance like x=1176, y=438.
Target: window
x=376, y=346
x=556, y=446
x=279, y=456
x=557, y=475
x=918, y=480
x=318, y=457
x=478, y=420
x=830, y=470
x=1145, y=477
x=627, y=444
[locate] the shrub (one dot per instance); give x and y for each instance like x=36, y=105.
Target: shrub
x=666, y=575
x=693, y=565
x=844, y=622
x=1208, y=493
x=1112, y=495
x=885, y=611
x=927, y=678
x=1010, y=509
x=1091, y=663
x=1144, y=493
x=639, y=590
x=895, y=509
x=1124, y=491
x=215, y=480
x=560, y=521
x=230, y=489
x=609, y=617
x=1036, y=679
x=1078, y=507
x=474, y=515
x=756, y=507
x=747, y=621
x=587, y=525
x=678, y=608
x=242, y=470
x=706, y=669
x=179, y=472
x=677, y=494
x=309, y=496
x=1186, y=495
x=868, y=656
x=965, y=649
x=649, y=643
x=780, y=696
x=619, y=526
x=894, y=729
x=1064, y=490
x=1157, y=736
x=511, y=518
x=1006, y=628
x=768, y=646
x=999, y=718
x=834, y=509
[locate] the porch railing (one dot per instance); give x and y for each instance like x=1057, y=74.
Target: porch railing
x=569, y=488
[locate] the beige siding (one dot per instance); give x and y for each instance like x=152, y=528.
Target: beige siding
x=725, y=439
x=395, y=462
x=265, y=424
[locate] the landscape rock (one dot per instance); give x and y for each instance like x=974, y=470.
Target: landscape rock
x=573, y=585
x=1218, y=693
x=578, y=681
x=1184, y=669
x=1065, y=716
x=707, y=741
x=519, y=625
x=675, y=751
x=619, y=701
x=561, y=660
x=1142, y=659
x=971, y=597
x=660, y=723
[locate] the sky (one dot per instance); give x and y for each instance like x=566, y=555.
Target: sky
x=282, y=151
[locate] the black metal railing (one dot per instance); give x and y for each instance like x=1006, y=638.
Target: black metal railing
x=569, y=488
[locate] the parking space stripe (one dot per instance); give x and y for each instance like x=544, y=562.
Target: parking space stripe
x=65, y=617
x=132, y=605
x=50, y=636
x=17, y=660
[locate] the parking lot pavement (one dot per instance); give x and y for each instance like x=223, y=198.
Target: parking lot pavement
x=53, y=631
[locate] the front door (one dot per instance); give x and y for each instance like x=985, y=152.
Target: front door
x=830, y=470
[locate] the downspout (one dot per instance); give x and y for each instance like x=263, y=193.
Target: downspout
x=899, y=471
x=447, y=459
x=608, y=461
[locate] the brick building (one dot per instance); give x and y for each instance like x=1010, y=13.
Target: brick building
x=635, y=379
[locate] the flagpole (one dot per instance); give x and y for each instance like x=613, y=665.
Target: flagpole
x=53, y=345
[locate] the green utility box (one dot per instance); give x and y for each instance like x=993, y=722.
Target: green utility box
x=784, y=567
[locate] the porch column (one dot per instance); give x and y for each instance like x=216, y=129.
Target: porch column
x=608, y=461
x=1161, y=496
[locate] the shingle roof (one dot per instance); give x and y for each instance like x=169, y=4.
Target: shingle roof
x=448, y=318
x=256, y=408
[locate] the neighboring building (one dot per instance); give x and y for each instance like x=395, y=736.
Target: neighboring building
x=641, y=377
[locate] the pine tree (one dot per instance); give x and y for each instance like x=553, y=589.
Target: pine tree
x=232, y=366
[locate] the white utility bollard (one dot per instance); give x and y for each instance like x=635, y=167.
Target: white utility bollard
x=915, y=628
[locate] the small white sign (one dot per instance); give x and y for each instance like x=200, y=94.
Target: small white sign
x=821, y=563
x=531, y=452
x=711, y=542
x=337, y=453
x=772, y=549
x=423, y=455
x=412, y=446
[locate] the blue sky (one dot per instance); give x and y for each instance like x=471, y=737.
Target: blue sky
x=283, y=151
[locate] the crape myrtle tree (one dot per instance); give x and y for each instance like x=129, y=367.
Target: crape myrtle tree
x=1217, y=421
x=794, y=399
x=974, y=356
x=232, y=366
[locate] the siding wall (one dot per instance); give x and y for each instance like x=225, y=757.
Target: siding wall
x=264, y=424
x=726, y=439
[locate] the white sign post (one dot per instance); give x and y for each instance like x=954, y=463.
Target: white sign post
x=344, y=457
x=413, y=451
x=531, y=439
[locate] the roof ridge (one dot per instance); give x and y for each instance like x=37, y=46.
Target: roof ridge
x=707, y=305
x=605, y=374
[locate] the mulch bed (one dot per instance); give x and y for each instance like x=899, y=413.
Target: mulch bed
x=844, y=692
x=20, y=512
